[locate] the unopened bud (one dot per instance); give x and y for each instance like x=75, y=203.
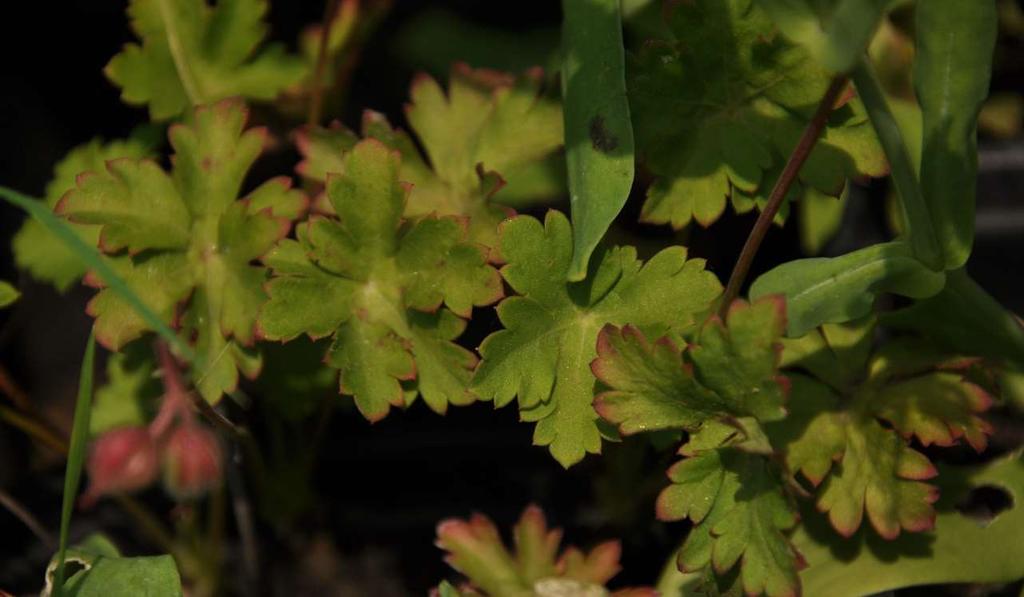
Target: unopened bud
x=121, y=460
x=192, y=461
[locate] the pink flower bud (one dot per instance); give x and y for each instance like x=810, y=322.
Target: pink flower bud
x=121, y=460
x=192, y=461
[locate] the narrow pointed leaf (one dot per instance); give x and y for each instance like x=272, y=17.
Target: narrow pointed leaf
x=964, y=318
x=598, y=132
x=917, y=221
x=76, y=455
x=955, y=40
x=837, y=289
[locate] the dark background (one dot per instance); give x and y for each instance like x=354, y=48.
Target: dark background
x=377, y=491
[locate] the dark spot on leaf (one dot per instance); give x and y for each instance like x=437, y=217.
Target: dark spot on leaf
x=984, y=503
x=600, y=137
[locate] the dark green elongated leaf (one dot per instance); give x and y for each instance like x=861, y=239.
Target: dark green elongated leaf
x=598, y=132
x=961, y=549
x=964, y=318
x=917, y=220
x=837, y=289
x=92, y=257
x=76, y=455
x=955, y=40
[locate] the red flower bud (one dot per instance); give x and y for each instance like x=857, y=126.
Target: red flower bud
x=192, y=461
x=121, y=460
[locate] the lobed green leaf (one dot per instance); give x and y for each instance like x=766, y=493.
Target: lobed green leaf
x=35, y=248
x=491, y=140
x=961, y=549
x=718, y=107
x=544, y=353
x=389, y=291
x=192, y=53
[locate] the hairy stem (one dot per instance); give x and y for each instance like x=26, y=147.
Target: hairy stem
x=238, y=433
x=796, y=161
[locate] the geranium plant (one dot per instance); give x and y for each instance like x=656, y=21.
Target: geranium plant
x=485, y=246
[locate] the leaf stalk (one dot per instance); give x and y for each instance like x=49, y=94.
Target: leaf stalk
x=796, y=161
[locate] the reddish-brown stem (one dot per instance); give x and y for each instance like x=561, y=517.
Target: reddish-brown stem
x=13, y=391
x=177, y=397
x=316, y=98
x=175, y=400
x=796, y=161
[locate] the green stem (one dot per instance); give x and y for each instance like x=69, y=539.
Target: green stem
x=918, y=223
x=177, y=50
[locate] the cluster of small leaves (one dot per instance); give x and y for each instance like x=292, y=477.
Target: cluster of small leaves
x=720, y=389
x=404, y=244
x=853, y=414
x=377, y=283
x=491, y=144
x=845, y=405
x=719, y=106
x=534, y=567
x=184, y=242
